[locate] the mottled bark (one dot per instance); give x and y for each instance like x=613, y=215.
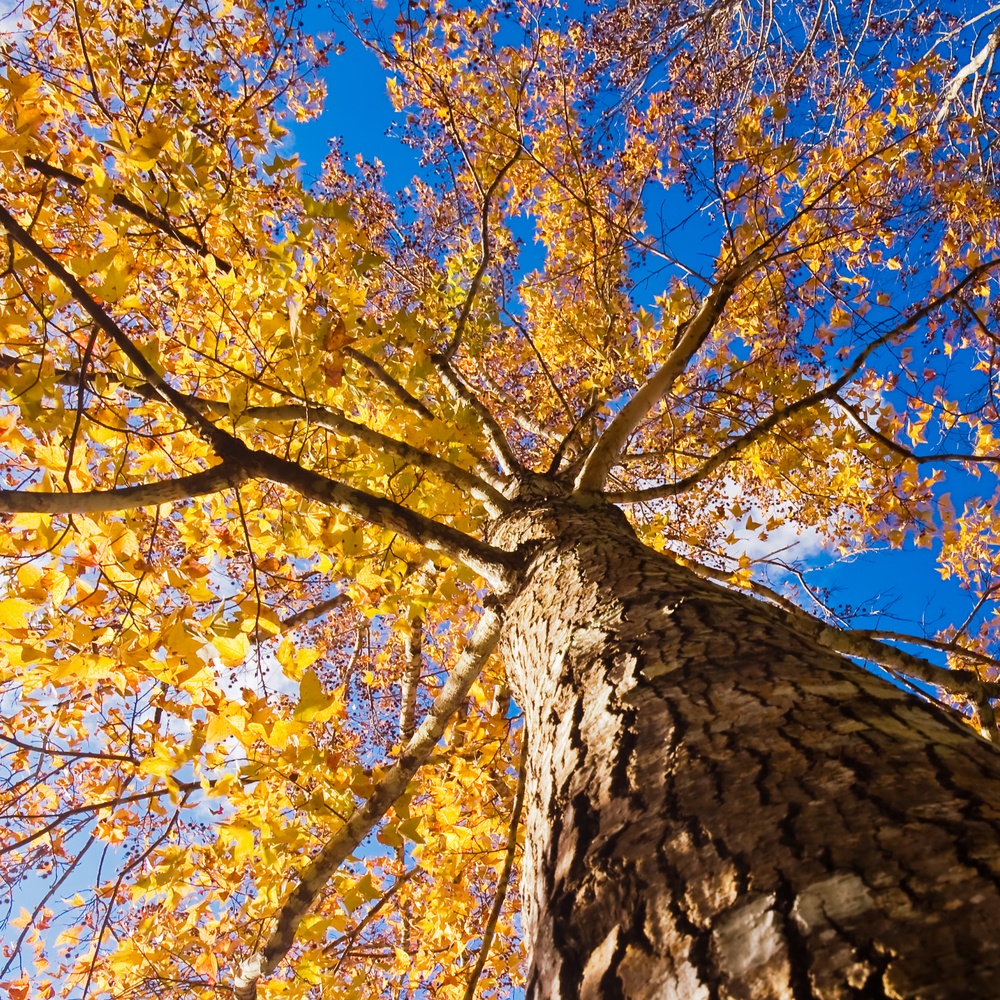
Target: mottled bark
x=717, y=808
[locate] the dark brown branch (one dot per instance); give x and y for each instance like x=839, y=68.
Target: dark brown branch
x=492, y=564
x=223, y=443
x=340, y=423
x=396, y=388
x=903, y=451
x=74, y=754
x=163, y=225
x=91, y=807
x=311, y=614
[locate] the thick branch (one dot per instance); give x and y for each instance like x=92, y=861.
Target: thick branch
x=692, y=335
x=341, y=424
x=337, y=421
x=940, y=645
x=492, y=564
x=971, y=68
x=311, y=614
x=830, y=391
x=124, y=498
x=320, y=870
x=862, y=645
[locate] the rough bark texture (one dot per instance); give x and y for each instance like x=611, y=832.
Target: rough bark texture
x=717, y=809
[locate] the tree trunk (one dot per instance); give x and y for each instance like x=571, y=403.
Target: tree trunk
x=717, y=809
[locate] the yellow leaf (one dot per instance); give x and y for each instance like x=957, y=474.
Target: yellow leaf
x=314, y=704
x=241, y=838
x=161, y=764
x=232, y=651
x=114, y=284
x=14, y=611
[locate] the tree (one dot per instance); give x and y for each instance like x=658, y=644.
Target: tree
x=303, y=483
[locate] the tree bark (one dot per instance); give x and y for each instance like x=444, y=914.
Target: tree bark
x=718, y=809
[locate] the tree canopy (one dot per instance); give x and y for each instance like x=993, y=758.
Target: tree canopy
x=730, y=265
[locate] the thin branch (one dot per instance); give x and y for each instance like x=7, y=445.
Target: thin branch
x=494, y=433
x=484, y=261
x=489, y=931
x=372, y=913
x=830, y=391
x=320, y=870
x=73, y=754
x=223, y=443
x=413, y=660
x=378, y=372
x=903, y=451
x=164, y=225
x=92, y=807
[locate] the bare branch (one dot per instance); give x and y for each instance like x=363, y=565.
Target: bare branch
x=311, y=614
x=320, y=870
x=971, y=68
x=60, y=752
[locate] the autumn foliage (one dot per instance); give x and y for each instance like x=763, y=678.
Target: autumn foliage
x=255, y=422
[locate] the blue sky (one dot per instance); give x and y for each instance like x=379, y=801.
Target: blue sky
x=890, y=588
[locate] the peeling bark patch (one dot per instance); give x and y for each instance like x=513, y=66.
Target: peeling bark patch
x=748, y=937
x=599, y=979
x=832, y=900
